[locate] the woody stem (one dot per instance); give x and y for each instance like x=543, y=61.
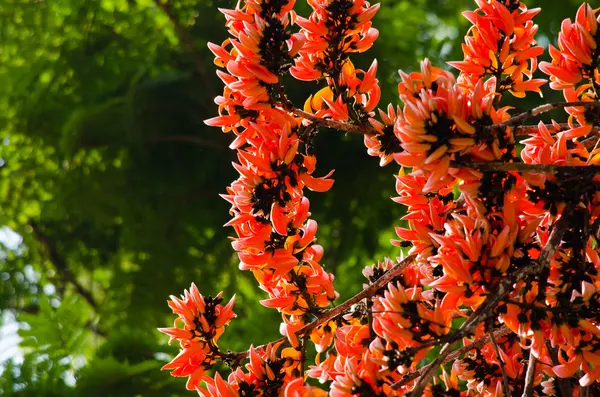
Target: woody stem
x=501, y=362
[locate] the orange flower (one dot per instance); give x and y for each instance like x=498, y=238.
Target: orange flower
x=577, y=56
x=203, y=321
x=333, y=31
x=501, y=43
x=469, y=229
x=385, y=143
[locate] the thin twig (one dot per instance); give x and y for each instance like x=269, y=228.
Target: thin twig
x=339, y=125
x=501, y=362
x=529, y=376
x=520, y=118
x=530, y=168
x=478, y=344
x=494, y=297
x=595, y=228
x=591, y=143
x=523, y=130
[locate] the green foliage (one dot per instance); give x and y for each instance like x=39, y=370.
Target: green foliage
x=112, y=180
x=57, y=332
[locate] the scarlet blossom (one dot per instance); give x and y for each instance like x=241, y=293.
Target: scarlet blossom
x=442, y=120
x=203, y=320
x=501, y=43
x=275, y=238
x=576, y=57
x=269, y=372
x=476, y=231
x=334, y=30
x=384, y=144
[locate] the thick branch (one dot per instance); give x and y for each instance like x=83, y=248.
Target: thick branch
x=339, y=125
x=494, y=297
x=520, y=118
x=530, y=168
x=61, y=265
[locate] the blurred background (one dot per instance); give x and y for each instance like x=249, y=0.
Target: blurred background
x=109, y=182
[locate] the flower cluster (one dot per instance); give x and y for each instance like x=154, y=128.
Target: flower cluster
x=466, y=246
x=334, y=30
x=499, y=243
x=574, y=66
x=273, y=372
x=275, y=237
x=576, y=59
x=501, y=43
x=260, y=50
x=482, y=369
x=203, y=320
x=360, y=96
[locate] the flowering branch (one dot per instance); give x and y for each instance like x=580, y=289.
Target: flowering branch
x=522, y=130
x=473, y=251
x=381, y=282
x=494, y=297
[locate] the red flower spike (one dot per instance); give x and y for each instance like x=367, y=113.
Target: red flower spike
x=470, y=229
